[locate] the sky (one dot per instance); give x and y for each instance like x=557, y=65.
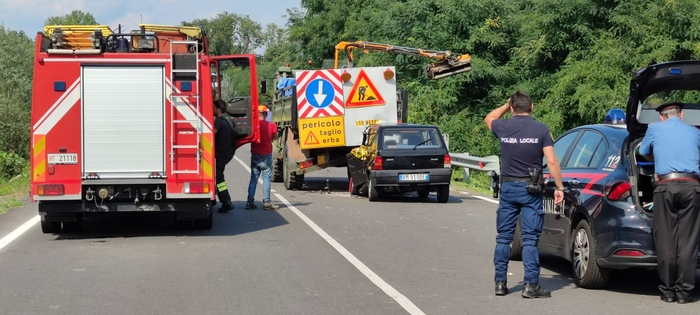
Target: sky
x=29, y=15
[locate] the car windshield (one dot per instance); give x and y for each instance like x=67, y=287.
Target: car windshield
x=691, y=111
x=404, y=138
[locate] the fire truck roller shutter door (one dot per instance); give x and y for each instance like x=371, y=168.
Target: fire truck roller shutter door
x=123, y=120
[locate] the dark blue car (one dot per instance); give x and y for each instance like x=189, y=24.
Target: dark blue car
x=606, y=220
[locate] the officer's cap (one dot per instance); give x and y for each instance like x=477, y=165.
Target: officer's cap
x=666, y=105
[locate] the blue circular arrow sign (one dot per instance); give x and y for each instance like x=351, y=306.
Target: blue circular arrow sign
x=320, y=93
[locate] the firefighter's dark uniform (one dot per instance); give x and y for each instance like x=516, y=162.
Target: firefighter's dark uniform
x=675, y=146
x=522, y=139
x=224, y=155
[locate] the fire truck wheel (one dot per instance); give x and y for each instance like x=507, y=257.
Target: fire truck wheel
x=206, y=223
x=75, y=226
x=50, y=227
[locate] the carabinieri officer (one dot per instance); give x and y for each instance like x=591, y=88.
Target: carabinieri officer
x=674, y=147
x=523, y=143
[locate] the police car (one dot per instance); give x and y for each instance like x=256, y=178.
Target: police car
x=606, y=219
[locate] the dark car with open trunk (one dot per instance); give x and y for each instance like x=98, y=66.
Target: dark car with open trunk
x=606, y=220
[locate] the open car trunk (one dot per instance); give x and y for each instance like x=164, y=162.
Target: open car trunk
x=650, y=87
x=642, y=184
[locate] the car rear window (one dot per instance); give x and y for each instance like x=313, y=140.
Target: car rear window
x=404, y=138
x=691, y=111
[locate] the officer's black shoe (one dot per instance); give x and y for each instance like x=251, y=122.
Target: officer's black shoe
x=501, y=288
x=685, y=300
x=668, y=299
x=532, y=291
x=226, y=207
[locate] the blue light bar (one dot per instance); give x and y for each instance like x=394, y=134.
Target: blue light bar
x=674, y=71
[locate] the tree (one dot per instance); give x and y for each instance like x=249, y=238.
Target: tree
x=230, y=33
x=76, y=17
x=16, y=52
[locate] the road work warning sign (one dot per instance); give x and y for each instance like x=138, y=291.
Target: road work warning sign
x=364, y=93
x=322, y=132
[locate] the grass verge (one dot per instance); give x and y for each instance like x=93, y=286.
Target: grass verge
x=478, y=181
x=11, y=191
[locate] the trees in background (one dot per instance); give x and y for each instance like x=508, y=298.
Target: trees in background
x=574, y=57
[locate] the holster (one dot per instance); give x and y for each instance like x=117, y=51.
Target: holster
x=536, y=184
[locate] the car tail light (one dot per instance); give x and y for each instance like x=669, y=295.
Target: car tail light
x=196, y=188
x=378, y=161
x=448, y=161
x=629, y=253
x=619, y=191
x=50, y=190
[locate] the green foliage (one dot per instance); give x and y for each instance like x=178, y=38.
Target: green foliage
x=230, y=33
x=11, y=165
x=16, y=52
x=575, y=58
x=76, y=17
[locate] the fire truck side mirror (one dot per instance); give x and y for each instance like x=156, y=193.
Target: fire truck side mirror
x=263, y=87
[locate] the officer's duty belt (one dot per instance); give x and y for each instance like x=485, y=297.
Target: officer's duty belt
x=514, y=179
x=678, y=176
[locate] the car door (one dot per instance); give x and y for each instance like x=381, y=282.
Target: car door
x=578, y=176
x=562, y=146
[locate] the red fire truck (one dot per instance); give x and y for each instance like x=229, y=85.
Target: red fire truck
x=124, y=122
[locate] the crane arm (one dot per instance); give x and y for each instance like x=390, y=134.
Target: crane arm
x=448, y=64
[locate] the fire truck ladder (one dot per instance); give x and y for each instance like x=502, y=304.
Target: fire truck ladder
x=186, y=65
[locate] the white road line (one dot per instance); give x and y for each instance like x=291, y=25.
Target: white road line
x=491, y=200
x=18, y=231
x=379, y=282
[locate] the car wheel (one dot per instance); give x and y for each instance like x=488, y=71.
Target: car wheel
x=443, y=193
x=516, y=246
x=587, y=273
x=372, y=192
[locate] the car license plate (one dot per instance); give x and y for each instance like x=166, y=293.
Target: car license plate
x=413, y=177
x=65, y=158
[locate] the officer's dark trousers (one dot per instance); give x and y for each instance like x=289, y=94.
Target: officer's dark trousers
x=221, y=189
x=676, y=228
x=515, y=200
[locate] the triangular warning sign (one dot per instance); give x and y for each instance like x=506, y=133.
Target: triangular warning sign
x=364, y=93
x=311, y=139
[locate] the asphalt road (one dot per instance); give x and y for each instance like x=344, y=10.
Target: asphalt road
x=322, y=252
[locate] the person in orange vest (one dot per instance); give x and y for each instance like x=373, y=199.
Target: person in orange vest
x=261, y=162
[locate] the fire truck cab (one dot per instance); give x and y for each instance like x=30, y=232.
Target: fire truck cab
x=124, y=122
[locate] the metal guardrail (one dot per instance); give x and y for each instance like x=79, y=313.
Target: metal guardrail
x=490, y=164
